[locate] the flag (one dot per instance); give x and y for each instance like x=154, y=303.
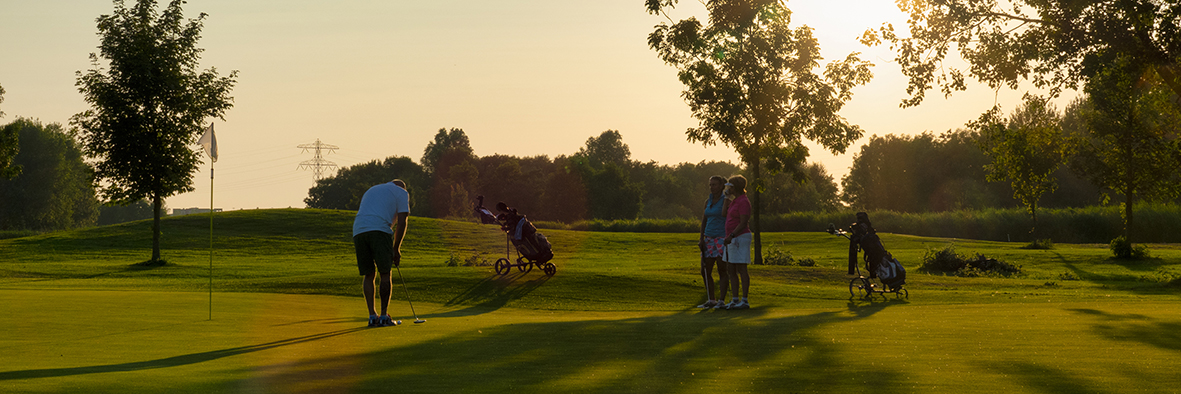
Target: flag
x=209, y=142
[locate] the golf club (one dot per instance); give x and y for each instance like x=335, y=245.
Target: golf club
x=416, y=319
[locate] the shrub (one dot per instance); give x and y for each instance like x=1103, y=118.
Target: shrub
x=1041, y=244
x=452, y=261
x=774, y=256
x=476, y=259
x=942, y=260
x=947, y=261
x=1122, y=249
x=1163, y=276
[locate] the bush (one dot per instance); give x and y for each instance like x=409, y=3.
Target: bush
x=942, y=260
x=1122, y=249
x=947, y=261
x=1163, y=276
x=775, y=256
x=477, y=259
x=452, y=261
x=1041, y=244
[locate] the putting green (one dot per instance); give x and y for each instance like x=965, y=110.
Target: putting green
x=143, y=341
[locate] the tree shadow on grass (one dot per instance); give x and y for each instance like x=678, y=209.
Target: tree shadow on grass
x=1044, y=379
x=1165, y=335
x=745, y=351
x=168, y=362
x=492, y=293
x=652, y=354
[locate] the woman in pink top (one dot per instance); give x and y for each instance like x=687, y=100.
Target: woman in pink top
x=737, y=241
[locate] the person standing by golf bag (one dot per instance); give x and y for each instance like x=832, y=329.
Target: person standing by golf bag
x=881, y=264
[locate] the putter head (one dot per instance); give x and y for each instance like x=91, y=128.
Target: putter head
x=419, y=321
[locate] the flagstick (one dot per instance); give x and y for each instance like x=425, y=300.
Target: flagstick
x=210, y=241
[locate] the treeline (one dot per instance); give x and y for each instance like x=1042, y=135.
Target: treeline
x=909, y=174
x=948, y=172
x=50, y=186
x=600, y=181
x=1093, y=224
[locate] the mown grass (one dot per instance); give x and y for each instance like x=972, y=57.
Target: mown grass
x=81, y=316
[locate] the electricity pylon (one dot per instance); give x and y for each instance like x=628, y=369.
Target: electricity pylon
x=317, y=164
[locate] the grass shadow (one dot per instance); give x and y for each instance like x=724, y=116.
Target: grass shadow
x=1165, y=335
x=168, y=362
x=492, y=293
x=655, y=354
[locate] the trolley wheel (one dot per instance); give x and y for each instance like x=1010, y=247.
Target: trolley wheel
x=503, y=266
x=550, y=269
x=859, y=288
x=904, y=293
x=524, y=266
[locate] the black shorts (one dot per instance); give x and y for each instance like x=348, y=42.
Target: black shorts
x=375, y=252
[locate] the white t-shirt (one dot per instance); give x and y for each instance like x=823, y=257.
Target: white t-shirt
x=379, y=206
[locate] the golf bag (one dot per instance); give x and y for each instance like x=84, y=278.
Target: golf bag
x=879, y=262
x=483, y=214
x=530, y=243
x=891, y=273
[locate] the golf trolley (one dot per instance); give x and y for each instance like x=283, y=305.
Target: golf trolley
x=863, y=287
x=527, y=258
x=533, y=249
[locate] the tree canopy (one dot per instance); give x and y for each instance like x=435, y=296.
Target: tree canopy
x=1054, y=44
x=751, y=81
x=607, y=148
x=9, y=147
x=1129, y=144
x=56, y=189
x=149, y=104
x=1026, y=150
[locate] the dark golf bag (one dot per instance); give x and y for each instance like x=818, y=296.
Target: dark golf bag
x=524, y=236
x=483, y=214
x=880, y=263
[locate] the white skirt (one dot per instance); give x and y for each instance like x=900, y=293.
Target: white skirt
x=738, y=251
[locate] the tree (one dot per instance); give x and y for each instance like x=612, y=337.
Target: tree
x=922, y=173
x=9, y=147
x=1048, y=42
x=750, y=81
x=449, y=148
x=1026, y=150
x=148, y=105
x=611, y=195
x=817, y=194
x=109, y=214
x=56, y=190
x=344, y=190
x=1131, y=144
x=608, y=148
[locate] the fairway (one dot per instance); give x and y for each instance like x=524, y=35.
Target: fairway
x=288, y=318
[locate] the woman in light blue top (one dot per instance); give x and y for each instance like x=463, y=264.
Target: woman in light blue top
x=713, y=233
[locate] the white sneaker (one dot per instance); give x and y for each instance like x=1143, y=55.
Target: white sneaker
x=733, y=305
x=741, y=305
x=708, y=305
x=719, y=305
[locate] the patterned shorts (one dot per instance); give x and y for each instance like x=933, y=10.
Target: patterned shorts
x=713, y=247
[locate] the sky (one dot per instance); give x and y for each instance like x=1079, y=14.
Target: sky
x=379, y=78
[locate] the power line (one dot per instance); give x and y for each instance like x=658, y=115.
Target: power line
x=317, y=164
